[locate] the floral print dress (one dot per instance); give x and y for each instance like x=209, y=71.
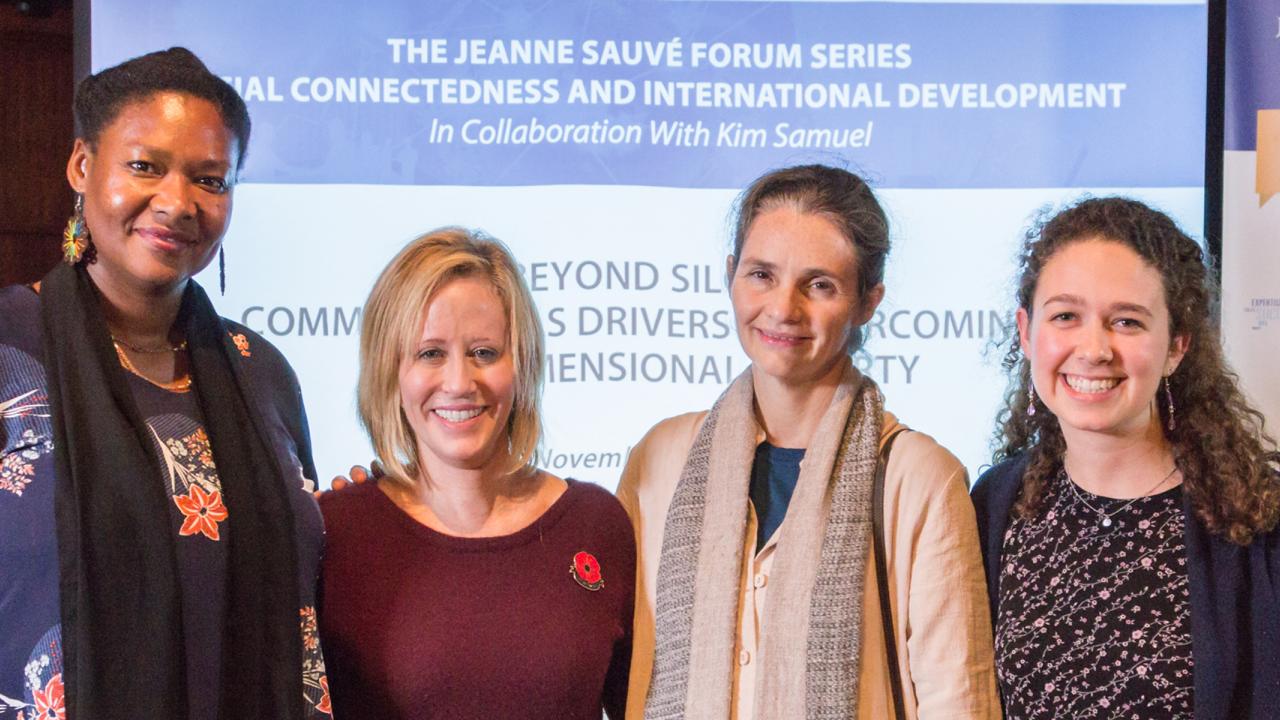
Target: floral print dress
x=30, y=642
x=1094, y=620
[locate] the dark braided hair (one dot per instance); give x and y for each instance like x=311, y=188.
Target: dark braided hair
x=1219, y=441
x=100, y=97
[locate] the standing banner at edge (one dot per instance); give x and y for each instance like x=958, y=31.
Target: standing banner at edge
x=1251, y=210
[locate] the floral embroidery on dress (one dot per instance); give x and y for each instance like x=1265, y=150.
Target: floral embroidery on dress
x=187, y=459
x=17, y=470
x=310, y=634
x=49, y=702
x=324, y=705
x=203, y=512
x=195, y=446
x=315, y=682
x=23, y=405
x=45, y=659
x=242, y=343
x=19, y=456
x=44, y=697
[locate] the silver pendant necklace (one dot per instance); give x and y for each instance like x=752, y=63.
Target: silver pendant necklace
x=1105, y=520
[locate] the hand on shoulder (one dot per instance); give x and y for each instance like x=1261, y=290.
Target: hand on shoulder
x=357, y=475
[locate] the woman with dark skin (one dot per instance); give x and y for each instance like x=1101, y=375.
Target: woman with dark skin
x=1129, y=527
x=158, y=546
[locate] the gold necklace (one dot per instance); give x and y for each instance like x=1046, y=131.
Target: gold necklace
x=153, y=350
x=178, y=385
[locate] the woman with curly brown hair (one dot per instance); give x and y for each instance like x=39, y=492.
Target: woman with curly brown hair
x=1129, y=529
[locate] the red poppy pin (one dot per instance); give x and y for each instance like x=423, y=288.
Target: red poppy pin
x=586, y=570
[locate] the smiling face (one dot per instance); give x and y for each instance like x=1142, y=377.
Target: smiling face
x=457, y=387
x=157, y=191
x=1098, y=339
x=795, y=296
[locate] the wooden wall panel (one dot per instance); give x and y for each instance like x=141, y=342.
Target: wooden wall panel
x=36, y=86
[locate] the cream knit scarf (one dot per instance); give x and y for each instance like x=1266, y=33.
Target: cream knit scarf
x=815, y=596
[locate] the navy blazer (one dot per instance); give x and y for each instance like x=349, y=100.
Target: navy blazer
x=1235, y=603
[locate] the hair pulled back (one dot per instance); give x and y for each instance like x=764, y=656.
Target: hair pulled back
x=100, y=97
x=838, y=195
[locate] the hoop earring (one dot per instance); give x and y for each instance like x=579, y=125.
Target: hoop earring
x=1168, y=393
x=75, y=238
x=1031, y=400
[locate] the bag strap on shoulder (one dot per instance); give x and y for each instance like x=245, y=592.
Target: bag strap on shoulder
x=882, y=574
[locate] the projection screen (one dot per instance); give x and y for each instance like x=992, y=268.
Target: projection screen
x=604, y=142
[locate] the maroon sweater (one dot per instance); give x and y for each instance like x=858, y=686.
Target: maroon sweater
x=417, y=624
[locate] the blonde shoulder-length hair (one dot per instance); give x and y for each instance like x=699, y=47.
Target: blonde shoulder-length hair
x=392, y=326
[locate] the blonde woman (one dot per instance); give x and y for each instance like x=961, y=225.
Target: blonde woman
x=467, y=583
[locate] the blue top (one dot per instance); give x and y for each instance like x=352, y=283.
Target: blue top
x=773, y=479
x=1235, y=602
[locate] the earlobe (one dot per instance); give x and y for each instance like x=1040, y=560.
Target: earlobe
x=78, y=165
x=730, y=264
x=874, y=296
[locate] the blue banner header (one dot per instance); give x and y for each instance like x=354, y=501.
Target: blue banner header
x=699, y=94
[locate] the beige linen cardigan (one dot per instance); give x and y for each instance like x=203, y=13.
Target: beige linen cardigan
x=937, y=593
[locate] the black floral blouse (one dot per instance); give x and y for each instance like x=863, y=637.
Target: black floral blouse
x=31, y=684
x=1094, y=619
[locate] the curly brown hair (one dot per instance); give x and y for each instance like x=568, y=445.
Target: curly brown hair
x=1219, y=442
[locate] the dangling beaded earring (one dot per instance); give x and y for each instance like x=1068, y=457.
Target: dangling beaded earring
x=75, y=239
x=1168, y=393
x=1031, y=400
x=222, y=272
